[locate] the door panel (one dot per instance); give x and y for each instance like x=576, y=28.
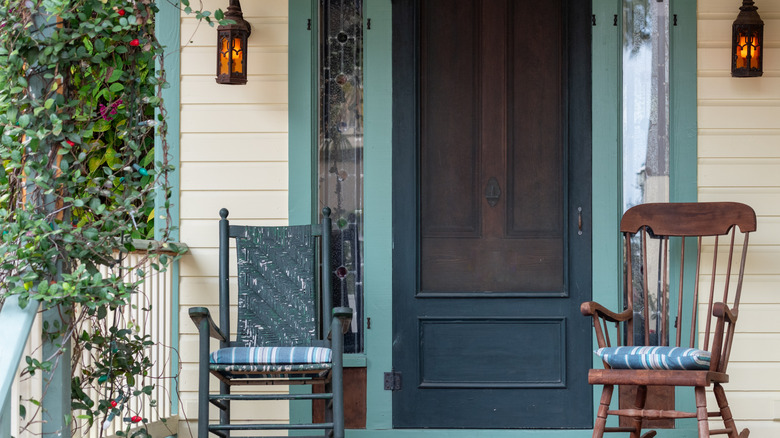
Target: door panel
x=464, y=351
x=537, y=122
x=490, y=115
x=491, y=180
x=450, y=105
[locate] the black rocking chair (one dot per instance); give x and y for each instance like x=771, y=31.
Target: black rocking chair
x=285, y=319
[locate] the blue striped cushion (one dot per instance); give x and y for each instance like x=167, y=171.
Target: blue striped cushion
x=271, y=355
x=655, y=358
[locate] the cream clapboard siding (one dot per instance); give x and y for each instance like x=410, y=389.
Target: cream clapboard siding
x=233, y=155
x=739, y=160
x=234, y=152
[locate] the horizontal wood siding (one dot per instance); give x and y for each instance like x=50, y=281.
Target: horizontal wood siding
x=233, y=155
x=739, y=160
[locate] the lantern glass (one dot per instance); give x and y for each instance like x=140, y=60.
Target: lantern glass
x=748, y=51
x=224, y=56
x=237, y=55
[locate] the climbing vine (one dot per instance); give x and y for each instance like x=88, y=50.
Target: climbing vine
x=80, y=108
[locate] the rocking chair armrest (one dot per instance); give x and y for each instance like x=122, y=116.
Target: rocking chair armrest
x=722, y=310
x=198, y=314
x=344, y=316
x=341, y=316
x=592, y=308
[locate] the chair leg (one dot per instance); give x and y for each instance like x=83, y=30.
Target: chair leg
x=338, y=402
x=203, y=380
x=337, y=380
x=224, y=415
x=601, y=417
x=641, y=398
x=328, y=406
x=701, y=412
x=725, y=413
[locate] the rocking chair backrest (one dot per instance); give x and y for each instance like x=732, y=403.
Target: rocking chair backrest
x=278, y=283
x=716, y=262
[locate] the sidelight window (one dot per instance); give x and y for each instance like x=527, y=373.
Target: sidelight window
x=340, y=150
x=646, y=138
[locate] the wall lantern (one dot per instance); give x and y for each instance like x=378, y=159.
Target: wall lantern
x=747, y=36
x=231, y=47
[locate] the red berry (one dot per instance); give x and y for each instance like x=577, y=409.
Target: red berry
x=113, y=403
x=121, y=12
x=70, y=143
x=135, y=419
x=135, y=42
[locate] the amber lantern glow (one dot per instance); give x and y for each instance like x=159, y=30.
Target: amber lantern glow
x=747, y=36
x=231, y=47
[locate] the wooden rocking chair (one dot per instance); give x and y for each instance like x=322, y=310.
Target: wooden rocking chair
x=285, y=319
x=701, y=226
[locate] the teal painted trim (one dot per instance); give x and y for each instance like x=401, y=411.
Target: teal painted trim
x=302, y=106
x=607, y=162
x=496, y=433
x=302, y=101
x=683, y=134
x=378, y=237
x=168, y=30
x=300, y=410
x=683, y=140
x=355, y=360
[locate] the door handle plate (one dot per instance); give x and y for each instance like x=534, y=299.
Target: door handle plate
x=492, y=191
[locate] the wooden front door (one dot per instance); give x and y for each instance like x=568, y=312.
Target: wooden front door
x=491, y=255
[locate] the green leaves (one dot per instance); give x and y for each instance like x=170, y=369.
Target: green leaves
x=115, y=75
x=71, y=194
x=116, y=87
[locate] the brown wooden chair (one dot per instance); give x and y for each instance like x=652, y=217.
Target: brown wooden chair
x=709, y=277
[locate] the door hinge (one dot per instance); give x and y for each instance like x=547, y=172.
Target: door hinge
x=393, y=381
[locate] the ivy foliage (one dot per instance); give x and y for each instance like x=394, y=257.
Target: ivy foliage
x=78, y=93
x=80, y=107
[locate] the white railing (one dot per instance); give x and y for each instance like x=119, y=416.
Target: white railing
x=155, y=293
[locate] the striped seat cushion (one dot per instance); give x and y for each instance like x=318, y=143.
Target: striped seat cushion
x=655, y=358
x=270, y=355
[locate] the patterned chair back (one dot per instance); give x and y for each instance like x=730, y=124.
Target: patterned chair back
x=277, y=300
x=279, y=303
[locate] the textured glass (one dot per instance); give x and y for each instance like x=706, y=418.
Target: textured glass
x=747, y=48
x=224, y=59
x=238, y=56
x=645, y=130
x=340, y=154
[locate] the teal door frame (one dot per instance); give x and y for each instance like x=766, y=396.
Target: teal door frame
x=607, y=161
x=168, y=31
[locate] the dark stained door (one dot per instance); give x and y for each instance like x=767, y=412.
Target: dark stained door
x=491, y=214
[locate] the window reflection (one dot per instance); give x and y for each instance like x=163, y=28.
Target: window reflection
x=645, y=134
